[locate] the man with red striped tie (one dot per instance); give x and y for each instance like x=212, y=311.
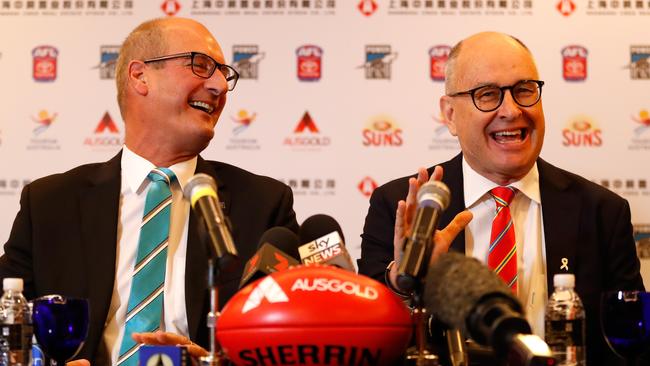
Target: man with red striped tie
x=523, y=217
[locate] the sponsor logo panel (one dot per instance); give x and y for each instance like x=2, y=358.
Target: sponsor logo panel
x=106, y=135
x=574, y=63
x=642, y=238
x=379, y=59
x=107, y=61
x=263, y=7
x=309, y=62
x=582, y=131
x=41, y=137
x=366, y=186
x=459, y=7
x=641, y=131
x=442, y=138
x=438, y=56
x=639, y=62
x=307, y=136
x=311, y=186
x=626, y=186
x=66, y=7
x=240, y=138
x=44, y=61
x=246, y=59
x=10, y=186
x=382, y=130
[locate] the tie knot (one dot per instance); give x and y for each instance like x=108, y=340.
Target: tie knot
x=503, y=195
x=162, y=174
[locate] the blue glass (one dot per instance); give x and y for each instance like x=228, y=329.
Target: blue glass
x=625, y=319
x=60, y=326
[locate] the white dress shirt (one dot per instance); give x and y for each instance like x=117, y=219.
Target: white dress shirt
x=526, y=211
x=133, y=192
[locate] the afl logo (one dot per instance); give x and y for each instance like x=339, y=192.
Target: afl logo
x=44, y=58
x=309, y=62
x=574, y=63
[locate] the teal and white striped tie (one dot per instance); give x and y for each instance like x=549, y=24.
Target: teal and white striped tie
x=145, y=306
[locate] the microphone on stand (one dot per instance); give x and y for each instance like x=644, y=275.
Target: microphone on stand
x=201, y=191
x=433, y=198
x=277, y=250
x=463, y=293
x=324, y=243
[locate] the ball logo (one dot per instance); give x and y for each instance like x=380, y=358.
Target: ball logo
x=170, y=7
x=367, y=186
x=266, y=289
x=367, y=7
x=246, y=59
x=309, y=59
x=382, y=131
x=335, y=285
x=45, y=63
x=574, y=63
x=582, y=131
x=438, y=56
x=565, y=7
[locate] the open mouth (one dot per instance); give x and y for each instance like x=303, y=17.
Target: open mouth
x=202, y=106
x=512, y=136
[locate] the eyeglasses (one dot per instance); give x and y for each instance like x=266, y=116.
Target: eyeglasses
x=203, y=66
x=488, y=98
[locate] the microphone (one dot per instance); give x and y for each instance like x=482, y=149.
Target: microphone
x=277, y=251
x=433, y=198
x=201, y=191
x=324, y=243
x=465, y=294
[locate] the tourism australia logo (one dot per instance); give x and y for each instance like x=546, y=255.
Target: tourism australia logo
x=241, y=138
x=42, y=135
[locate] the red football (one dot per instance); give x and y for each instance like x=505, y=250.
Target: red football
x=314, y=315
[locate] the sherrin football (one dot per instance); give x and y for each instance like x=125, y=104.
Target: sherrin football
x=314, y=315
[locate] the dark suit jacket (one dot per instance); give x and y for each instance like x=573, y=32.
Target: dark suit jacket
x=583, y=222
x=64, y=237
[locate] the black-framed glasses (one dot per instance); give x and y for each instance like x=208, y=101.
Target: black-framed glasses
x=203, y=66
x=488, y=98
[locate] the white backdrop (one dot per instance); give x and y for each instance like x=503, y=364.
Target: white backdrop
x=593, y=56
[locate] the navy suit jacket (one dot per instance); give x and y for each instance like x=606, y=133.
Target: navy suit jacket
x=64, y=238
x=583, y=222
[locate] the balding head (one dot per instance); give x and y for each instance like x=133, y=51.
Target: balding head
x=475, y=43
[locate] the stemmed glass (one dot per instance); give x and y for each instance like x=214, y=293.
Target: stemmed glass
x=625, y=319
x=60, y=326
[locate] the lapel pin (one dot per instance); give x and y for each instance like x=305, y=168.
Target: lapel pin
x=565, y=264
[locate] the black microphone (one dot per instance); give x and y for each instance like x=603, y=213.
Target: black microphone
x=324, y=243
x=433, y=198
x=201, y=191
x=277, y=250
x=463, y=293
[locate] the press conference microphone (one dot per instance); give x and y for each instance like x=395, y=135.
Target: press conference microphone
x=201, y=191
x=277, y=250
x=463, y=293
x=324, y=243
x=433, y=198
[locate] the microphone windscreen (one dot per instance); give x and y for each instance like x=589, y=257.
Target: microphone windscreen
x=317, y=226
x=283, y=239
x=455, y=284
x=434, y=194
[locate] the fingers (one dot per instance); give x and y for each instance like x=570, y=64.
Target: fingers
x=169, y=339
x=443, y=238
x=398, y=238
x=437, y=173
x=423, y=176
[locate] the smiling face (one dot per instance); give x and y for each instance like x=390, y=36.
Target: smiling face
x=501, y=145
x=175, y=111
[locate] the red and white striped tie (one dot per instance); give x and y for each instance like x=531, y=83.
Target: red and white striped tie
x=502, y=254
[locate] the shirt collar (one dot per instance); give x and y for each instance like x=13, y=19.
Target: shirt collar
x=135, y=169
x=476, y=186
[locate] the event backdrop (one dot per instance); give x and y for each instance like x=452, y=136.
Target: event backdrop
x=336, y=96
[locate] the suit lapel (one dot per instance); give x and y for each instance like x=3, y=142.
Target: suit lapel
x=99, y=205
x=196, y=267
x=453, y=177
x=561, y=215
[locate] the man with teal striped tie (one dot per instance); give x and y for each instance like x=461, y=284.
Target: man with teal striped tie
x=119, y=232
